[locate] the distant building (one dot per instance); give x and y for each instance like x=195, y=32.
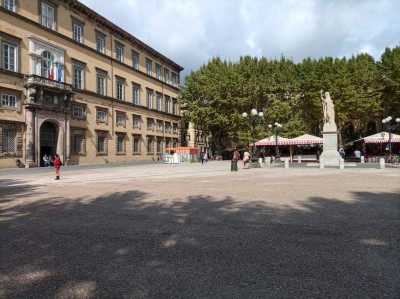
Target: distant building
x=73, y=83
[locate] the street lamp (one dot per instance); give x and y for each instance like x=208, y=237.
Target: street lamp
x=387, y=121
x=253, y=121
x=277, y=127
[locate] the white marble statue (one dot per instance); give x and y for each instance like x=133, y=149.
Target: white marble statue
x=328, y=108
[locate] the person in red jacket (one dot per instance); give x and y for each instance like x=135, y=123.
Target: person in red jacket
x=57, y=164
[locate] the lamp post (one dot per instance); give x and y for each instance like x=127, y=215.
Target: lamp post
x=254, y=120
x=277, y=127
x=387, y=121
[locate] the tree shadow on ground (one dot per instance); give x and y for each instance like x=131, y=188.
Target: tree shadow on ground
x=124, y=246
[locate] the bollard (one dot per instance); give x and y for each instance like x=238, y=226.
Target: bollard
x=381, y=163
x=321, y=163
x=286, y=163
x=341, y=163
x=362, y=159
x=233, y=165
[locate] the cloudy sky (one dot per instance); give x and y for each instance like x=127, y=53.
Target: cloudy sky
x=190, y=32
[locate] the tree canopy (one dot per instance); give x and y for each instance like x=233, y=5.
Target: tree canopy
x=364, y=91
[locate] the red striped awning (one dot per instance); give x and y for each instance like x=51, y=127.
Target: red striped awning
x=381, y=140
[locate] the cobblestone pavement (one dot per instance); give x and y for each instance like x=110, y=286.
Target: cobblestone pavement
x=155, y=230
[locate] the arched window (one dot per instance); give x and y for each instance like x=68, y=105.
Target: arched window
x=45, y=66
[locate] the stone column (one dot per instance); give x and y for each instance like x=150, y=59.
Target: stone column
x=68, y=141
x=30, y=137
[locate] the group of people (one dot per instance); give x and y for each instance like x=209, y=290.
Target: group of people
x=47, y=160
x=56, y=164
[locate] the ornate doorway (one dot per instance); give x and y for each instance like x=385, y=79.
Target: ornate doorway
x=48, y=141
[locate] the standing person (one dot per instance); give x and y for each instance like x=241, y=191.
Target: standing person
x=46, y=161
x=246, y=160
x=357, y=154
x=57, y=164
x=236, y=155
x=342, y=153
x=202, y=157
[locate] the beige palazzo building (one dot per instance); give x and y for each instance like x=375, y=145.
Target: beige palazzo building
x=73, y=83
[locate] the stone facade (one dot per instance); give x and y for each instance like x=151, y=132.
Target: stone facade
x=73, y=83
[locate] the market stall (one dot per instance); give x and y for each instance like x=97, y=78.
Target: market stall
x=375, y=146
x=174, y=155
x=305, y=148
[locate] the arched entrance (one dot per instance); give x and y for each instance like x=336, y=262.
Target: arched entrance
x=48, y=140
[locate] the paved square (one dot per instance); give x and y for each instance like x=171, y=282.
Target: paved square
x=200, y=231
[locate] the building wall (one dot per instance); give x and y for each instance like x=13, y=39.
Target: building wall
x=69, y=111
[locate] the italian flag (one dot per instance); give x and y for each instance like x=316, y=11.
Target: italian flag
x=51, y=75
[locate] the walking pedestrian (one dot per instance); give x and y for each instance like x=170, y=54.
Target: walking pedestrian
x=57, y=164
x=246, y=160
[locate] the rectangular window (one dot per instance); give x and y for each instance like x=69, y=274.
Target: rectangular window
x=135, y=60
x=174, y=107
x=150, y=124
x=78, y=77
x=158, y=72
x=150, y=99
x=120, y=118
x=77, y=144
x=167, y=127
x=149, y=66
x=9, y=4
x=48, y=15
x=120, y=144
x=101, y=144
x=159, y=126
x=136, y=121
x=173, y=75
x=9, y=139
x=167, y=103
x=150, y=144
x=101, y=116
x=120, y=83
x=119, y=52
x=9, y=53
x=166, y=76
x=159, y=102
x=9, y=100
x=77, y=31
x=101, y=84
x=100, y=43
x=79, y=112
x=136, y=94
x=175, y=128
x=159, y=145
x=136, y=144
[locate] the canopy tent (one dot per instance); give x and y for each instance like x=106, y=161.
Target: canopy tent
x=271, y=140
x=181, y=154
x=306, y=139
x=183, y=150
x=302, y=140
x=382, y=137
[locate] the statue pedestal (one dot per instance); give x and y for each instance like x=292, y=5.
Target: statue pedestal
x=330, y=152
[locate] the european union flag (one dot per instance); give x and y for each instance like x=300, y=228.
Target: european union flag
x=59, y=72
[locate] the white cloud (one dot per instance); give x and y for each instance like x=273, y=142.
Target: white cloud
x=190, y=32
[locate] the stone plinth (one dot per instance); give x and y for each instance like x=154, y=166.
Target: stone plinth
x=255, y=164
x=330, y=152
